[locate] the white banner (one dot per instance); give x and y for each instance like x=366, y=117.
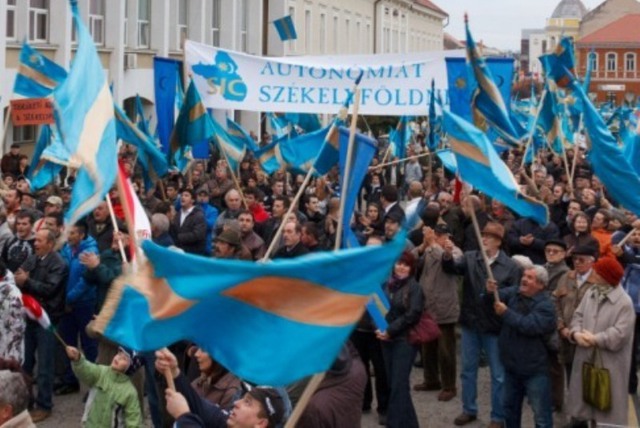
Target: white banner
x=392, y=84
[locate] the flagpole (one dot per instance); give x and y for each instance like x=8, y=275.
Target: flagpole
x=535, y=123
x=382, y=165
x=483, y=251
x=115, y=228
x=347, y=168
x=292, y=206
x=233, y=176
x=308, y=392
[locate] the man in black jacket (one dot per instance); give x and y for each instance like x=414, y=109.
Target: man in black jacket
x=291, y=235
x=189, y=227
x=528, y=319
x=480, y=325
x=43, y=275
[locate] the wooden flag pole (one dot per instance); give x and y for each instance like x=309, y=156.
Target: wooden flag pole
x=483, y=251
x=233, y=176
x=311, y=387
x=293, y=206
x=347, y=168
x=382, y=165
x=114, y=222
x=626, y=238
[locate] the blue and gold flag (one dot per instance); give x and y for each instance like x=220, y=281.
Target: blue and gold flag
x=37, y=75
x=44, y=169
x=194, y=125
x=233, y=149
x=270, y=323
x=83, y=110
x=488, y=106
x=242, y=137
x=285, y=28
x=559, y=65
x=479, y=165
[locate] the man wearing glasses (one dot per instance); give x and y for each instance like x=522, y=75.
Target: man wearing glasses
x=572, y=286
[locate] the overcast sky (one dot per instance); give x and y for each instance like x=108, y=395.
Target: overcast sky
x=498, y=23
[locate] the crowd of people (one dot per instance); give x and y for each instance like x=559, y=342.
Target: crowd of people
x=553, y=297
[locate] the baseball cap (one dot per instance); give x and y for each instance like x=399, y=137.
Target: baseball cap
x=54, y=200
x=271, y=402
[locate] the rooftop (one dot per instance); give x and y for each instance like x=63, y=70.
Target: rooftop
x=623, y=30
x=431, y=5
x=569, y=9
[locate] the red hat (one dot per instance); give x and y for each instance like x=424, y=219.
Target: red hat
x=610, y=270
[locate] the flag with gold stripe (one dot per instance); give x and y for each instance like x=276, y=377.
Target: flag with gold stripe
x=37, y=75
x=479, y=165
x=270, y=323
x=83, y=109
x=194, y=125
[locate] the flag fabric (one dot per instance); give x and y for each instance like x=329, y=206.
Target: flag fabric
x=194, y=124
x=278, y=322
x=285, y=28
x=548, y=121
x=37, y=75
x=298, y=154
x=36, y=312
x=134, y=214
x=151, y=160
x=233, y=149
x=378, y=307
x=487, y=104
x=587, y=75
x=270, y=158
x=281, y=126
x=308, y=122
x=141, y=122
x=606, y=157
x=83, y=110
x=433, y=140
x=237, y=132
x=559, y=65
x=400, y=137
x=632, y=149
x=44, y=168
x=479, y=165
x=166, y=72
x=448, y=160
x=364, y=149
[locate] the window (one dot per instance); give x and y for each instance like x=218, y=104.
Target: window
x=612, y=60
x=293, y=46
x=243, y=15
x=323, y=33
x=368, y=36
x=307, y=32
x=39, y=20
x=347, y=35
x=215, y=23
x=593, y=57
x=96, y=21
x=144, y=23
x=11, y=20
x=630, y=61
x=24, y=134
x=183, y=19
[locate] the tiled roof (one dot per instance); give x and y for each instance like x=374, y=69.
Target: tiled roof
x=430, y=5
x=624, y=30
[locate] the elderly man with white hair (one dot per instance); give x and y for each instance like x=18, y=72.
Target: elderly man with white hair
x=14, y=399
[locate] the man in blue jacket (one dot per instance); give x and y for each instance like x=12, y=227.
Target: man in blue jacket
x=80, y=301
x=528, y=320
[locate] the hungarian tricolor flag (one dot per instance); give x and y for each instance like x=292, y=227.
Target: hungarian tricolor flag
x=35, y=312
x=135, y=216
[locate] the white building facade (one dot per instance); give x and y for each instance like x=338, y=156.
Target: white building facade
x=129, y=33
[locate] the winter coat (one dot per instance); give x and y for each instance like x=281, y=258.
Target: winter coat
x=440, y=288
x=113, y=397
x=541, y=234
x=210, y=215
x=526, y=326
x=12, y=321
x=47, y=283
x=612, y=322
x=474, y=314
x=102, y=276
x=221, y=391
x=405, y=307
x=80, y=292
x=191, y=235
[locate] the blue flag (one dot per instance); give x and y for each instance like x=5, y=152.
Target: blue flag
x=433, y=138
x=549, y=122
x=233, y=149
x=560, y=64
x=37, y=75
x=83, y=110
x=281, y=126
x=364, y=149
x=237, y=132
x=194, y=124
x=277, y=322
x=42, y=170
x=166, y=72
x=488, y=106
x=151, y=160
x=141, y=122
x=297, y=153
x=285, y=28
x=400, y=137
x=479, y=165
x=606, y=157
x=448, y=160
x=308, y=122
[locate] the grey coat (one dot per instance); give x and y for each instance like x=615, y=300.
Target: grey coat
x=440, y=288
x=612, y=321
